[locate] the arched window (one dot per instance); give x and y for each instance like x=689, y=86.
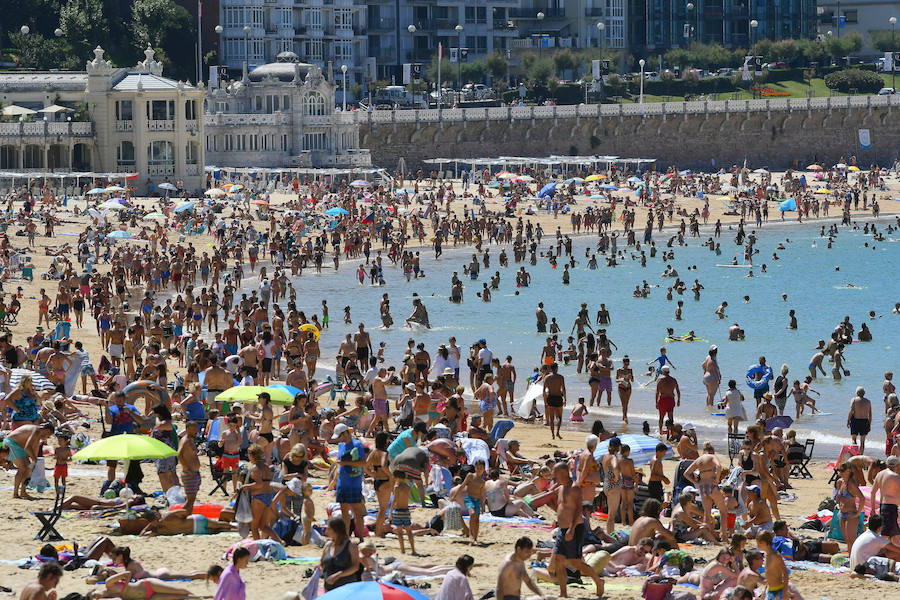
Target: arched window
x=314, y=105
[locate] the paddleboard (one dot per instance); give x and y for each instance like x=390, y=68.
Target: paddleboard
x=533, y=392
x=719, y=414
x=736, y=266
x=821, y=414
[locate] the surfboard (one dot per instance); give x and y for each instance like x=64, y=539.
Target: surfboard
x=736, y=266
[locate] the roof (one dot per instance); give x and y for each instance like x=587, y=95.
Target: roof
x=41, y=80
x=148, y=81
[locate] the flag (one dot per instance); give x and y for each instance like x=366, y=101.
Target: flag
x=369, y=218
x=312, y=587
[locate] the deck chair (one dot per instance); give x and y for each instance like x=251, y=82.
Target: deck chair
x=220, y=478
x=48, y=518
x=845, y=453
x=12, y=317
x=500, y=429
x=735, y=441
x=799, y=467
x=62, y=330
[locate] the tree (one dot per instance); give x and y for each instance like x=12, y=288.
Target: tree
x=497, y=67
x=563, y=61
x=473, y=72
x=812, y=50
x=786, y=51
x=38, y=52
x=885, y=40
x=83, y=25
x=865, y=82
x=166, y=27
x=677, y=57
x=763, y=48
x=540, y=70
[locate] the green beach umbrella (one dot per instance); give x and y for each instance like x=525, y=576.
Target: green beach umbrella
x=248, y=393
x=125, y=447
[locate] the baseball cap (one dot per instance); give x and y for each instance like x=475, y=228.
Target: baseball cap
x=264, y=395
x=339, y=430
x=690, y=490
x=755, y=488
x=687, y=426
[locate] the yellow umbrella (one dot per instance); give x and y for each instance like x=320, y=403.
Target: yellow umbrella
x=248, y=393
x=823, y=191
x=125, y=447
x=854, y=168
x=596, y=177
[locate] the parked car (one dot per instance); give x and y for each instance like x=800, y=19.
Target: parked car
x=725, y=72
x=477, y=91
x=886, y=91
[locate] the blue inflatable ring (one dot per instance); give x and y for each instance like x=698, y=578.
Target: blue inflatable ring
x=753, y=371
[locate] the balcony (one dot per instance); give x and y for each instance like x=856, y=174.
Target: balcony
x=382, y=25
x=422, y=53
x=531, y=13
x=47, y=129
x=161, y=125
x=124, y=125
x=192, y=125
x=593, y=12
x=161, y=169
x=192, y=169
x=234, y=120
x=503, y=25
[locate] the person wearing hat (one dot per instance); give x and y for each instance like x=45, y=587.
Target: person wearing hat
x=766, y=410
x=758, y=510
x=351, y=460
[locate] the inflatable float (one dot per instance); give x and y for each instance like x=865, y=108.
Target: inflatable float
x=766, y=375
x=526, y=405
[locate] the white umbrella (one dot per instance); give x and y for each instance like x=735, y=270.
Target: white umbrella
x=167, y=186
x=55, y=108
x=14, y=110
x=115, y=188
x=760, y=171
x=216, y=193
x=40, y=382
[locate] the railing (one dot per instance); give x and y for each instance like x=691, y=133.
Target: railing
x=161, y=169
x=44, y=128
x=161, y=125
x=192, y=169
x=695, y=107
x=382, y=24
x=531, y=13
x=231, y=120
x=192, y=125
x=124, y=125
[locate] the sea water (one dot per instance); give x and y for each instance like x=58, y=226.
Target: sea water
x=807, y=272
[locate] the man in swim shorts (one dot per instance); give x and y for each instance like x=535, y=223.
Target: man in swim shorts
x=888, y=483
x=190, y=465
x=776, y=571
x=554, y=399
x=859, y=420
x=513, y=572
x=666, y=391
x=570, y=538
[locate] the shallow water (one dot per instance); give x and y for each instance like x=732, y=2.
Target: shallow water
x=806, y=273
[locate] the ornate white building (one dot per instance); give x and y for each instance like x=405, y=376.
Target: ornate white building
x=105, y=119
x=280, y=114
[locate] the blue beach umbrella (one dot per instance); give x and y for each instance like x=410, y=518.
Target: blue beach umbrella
x=547, y=191
x=185, y=206
x=293, y=391
x=373, y=590
x=635, y=180
x=643, y=447
x=573, y=180
x=337, y=210
x=787, y=205
x=609, y=186
x=96, y=191
x=120, y=235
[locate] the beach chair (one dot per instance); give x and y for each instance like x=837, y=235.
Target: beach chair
x=735, y=441
x=12, y=317
x=845, y=453
x=220, y=478
x=799, y=464
x=500, y=429
x=62, y=331
x=48, y=518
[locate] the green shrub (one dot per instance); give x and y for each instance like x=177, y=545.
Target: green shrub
x=864, y=82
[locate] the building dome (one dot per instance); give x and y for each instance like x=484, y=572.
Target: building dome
x=282, y=69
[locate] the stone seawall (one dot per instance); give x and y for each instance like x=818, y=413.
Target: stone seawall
x=777, y=138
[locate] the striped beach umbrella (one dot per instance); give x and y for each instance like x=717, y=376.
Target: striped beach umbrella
x=40, y=382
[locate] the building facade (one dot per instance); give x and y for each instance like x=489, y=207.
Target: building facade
x=320, y=32
x=859, y=16
x=116, y=120
x=657, y=25
x=278, y=115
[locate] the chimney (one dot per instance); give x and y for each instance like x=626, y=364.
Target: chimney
x=244, y=72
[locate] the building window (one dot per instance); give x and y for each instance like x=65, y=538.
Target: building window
x=284, y=141
x=314, y=105
x=476, y=43
x=313, y=49
x=287, y=16
x=221, y=107
x=255, y=17
x=125, y=154
x=34, y=157
x=851, y=16
x=343, y=18
x=234, y=16
x=161, y=110
x=314, y=141
x=312, y=17
x=476, y=14
x=161, y=152
x=8, y=157
x=285, y=45
x=190, y=110
x=124, y=110
x=191, y=151
x=285, y=102
x=256, y=49
x=343, y=51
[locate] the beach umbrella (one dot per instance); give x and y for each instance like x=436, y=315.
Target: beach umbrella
x=113, y=205
x=635, y=180
x=215, y=193
x=813, y=167
x=525, y=179
x=337, y=210
x=280, y=388
x=232, y=187
x=120, y=235
x=788, y=205
x=40, y=382
x=360, y=183
x=840, y=166
x=259, y=202
x=609, y=186
x=14, y=110
x=55, y=108
x=760, y=171
x=643, y=448
x=573, y=180
x=506, y=175
x=155, y=216
x=595, y=177
x=782, y=421
x=686, y=172
x=167, y=186
x=823, y=191
x=248, y=393
x=125, y=447
x=96, y=191
x=185, y=206
x=853, y=168
x=547, y=191
x=114, y=188
x=373, y=590
x=596, y=197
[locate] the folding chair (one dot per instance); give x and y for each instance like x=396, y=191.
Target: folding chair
x=48, y=518
x=846, y=452
x=800, y=468
x=500, y=429
x=220, y=478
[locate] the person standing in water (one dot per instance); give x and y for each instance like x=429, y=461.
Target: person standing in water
x=712, y=377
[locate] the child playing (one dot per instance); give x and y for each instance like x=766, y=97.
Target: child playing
x=657, y=478
x=626, y=468
x=63, y=456
x=807, y=399
x=309, y=512
x=663, y=360
x=579, y=411
x=231, y=450
x=347, y=319
x=474, y=488
x=401, y=519
x=777, y=578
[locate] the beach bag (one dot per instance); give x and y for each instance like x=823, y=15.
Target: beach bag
x=656, y=587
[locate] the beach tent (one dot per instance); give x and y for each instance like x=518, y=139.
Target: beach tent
x=788, y=205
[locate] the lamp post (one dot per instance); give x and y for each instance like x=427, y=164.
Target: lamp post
x=344, y=94
x=412, y=42
x=600, y=27
x=642, y=63
x=458, y=29
x=58, y=32
x=893, y=22
x=753, y=25
x=25, y=30
x=219, y=29
x=690, y=18
x=540, y=18
x=247, y=44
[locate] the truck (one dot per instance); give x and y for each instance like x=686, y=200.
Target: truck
x=398, y=95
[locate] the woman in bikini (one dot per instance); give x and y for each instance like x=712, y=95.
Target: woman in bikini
x=766, y=479
x=120, y=586
x=612, y=482
x=378, y=467
x=629, y=477
x=850, y=503
x=121, y=555
x=261, y=495
x=624, y=377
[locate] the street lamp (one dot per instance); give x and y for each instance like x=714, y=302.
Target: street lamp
x=753, y=25
x=412, y=43
x=540, y=18
x=642, y=63
x=893, y=22
x=247, y=44
x=600, y=27
x=690, y=8
x=458, y=29
x=25, y=29
x=58, y=32
x=344, y=94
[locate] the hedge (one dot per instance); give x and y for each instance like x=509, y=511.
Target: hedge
x=865, y=82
